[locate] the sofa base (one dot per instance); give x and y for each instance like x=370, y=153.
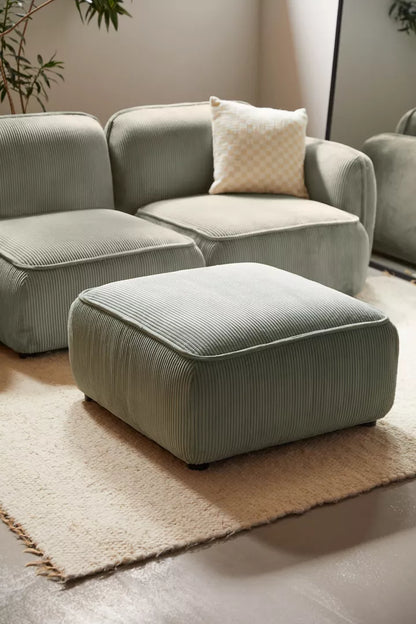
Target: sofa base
x=305, y=237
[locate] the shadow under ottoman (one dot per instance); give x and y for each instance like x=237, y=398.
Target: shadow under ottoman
x=222, y=360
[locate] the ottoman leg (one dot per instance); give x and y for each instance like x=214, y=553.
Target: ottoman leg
x=198, y=466
x=87, y=398
x=370, y=424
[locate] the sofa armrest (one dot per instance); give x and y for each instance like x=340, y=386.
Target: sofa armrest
x=342, y=177
x=394, y=159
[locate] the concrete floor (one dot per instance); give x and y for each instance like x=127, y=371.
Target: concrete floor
x=353, y=562
x=394, y=266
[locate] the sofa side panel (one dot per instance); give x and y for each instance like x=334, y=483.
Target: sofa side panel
x=342, y=177
x=394, y=158
x=135, y=377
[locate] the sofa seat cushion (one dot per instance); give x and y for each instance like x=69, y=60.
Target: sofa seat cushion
x=47, y=260
x=67, y=238
x=303, y=236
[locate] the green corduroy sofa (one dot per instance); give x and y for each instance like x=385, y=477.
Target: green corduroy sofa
x=162, y=163
x=60, y=181
x=394, y=158
x=59, y=232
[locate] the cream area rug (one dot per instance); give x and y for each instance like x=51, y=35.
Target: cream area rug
x=87, y=493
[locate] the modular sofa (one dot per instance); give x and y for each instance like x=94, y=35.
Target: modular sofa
x=162, y=165
x=394, y=159
x=60, y=234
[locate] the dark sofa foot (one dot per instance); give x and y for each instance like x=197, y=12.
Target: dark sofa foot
x=24, y=356
x=87, y=398
x=370, y=424
x=198, y=466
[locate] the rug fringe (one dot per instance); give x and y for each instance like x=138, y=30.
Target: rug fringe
x=45, y=566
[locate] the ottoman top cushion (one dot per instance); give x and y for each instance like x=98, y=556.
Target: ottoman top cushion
x=225, y=310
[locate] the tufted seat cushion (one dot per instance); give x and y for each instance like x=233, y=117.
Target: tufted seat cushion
x=305, y=237
x=47, y=259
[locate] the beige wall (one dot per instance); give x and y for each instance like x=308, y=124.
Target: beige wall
x=268, y=52
x=296, y=53
x=376, y=80
x=171, y=51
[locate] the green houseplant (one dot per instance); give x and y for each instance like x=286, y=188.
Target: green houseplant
x=404, y=12
x=22, y=79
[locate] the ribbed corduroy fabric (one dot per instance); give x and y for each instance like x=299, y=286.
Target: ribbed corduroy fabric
x=159, y=152
x=163, y=152
x=59, y=233
x=343, y=177
x=305, y=237
x=394, y=158
x=64, y=238
x=52, y=162
x=216, y=362
x=47, y=260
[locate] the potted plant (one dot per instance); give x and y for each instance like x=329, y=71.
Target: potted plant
x=22, y=79
x=404, y=12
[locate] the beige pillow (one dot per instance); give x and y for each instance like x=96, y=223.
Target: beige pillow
x=257, y=150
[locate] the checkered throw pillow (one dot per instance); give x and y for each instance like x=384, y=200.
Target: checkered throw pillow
x=258, y=150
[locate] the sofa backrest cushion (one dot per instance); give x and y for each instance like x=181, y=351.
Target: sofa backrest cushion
x=53, y=162
x=160, y=152
x=407, y=124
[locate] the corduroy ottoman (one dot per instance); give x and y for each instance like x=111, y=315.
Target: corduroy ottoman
x=222, y=360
